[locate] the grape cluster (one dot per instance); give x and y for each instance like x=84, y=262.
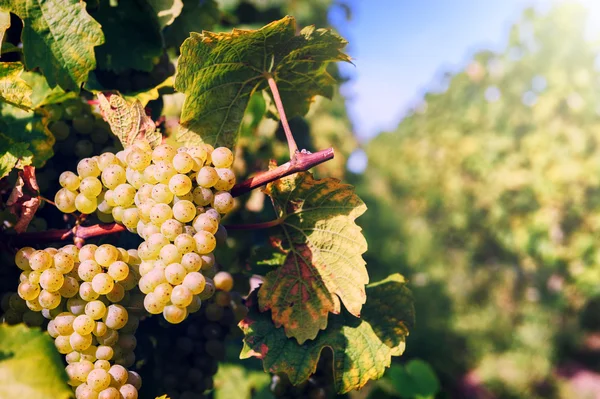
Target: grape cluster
x=15, y=311
x=184, y=358
x=83, y=292
x=174, y=200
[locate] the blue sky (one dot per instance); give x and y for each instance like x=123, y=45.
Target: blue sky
x=400, y=46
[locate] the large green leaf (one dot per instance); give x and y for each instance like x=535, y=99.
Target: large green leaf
x=323, y=248
x=30, y=366
x=219, y=72
x=362, y=348
x=13, y=89
x=10, y=153
x=59, y=37
x=43, y=94
x=416, y=379
x=235, y=381
x=133, y=39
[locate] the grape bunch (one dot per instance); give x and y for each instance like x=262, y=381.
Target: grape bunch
x=174, y=200
x=15, y=311
x=83, y=292
x=183, y=359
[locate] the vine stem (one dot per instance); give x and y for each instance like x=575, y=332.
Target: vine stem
x=300, y=162
x=286, y=127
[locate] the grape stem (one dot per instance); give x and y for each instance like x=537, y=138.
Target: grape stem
x=286, y=127
x=302, y=161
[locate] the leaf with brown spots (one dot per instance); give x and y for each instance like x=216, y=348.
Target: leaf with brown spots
x=323, y=249
x=362, y=348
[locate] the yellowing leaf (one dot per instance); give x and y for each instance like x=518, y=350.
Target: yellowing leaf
x=10, y=153
x=4, y=24
x=43, y=94
x=362, y=348
x=30, y=366
x=323, y=245
x=59, y=37
x=219, y=72
x=13, y=89
x=128, y=121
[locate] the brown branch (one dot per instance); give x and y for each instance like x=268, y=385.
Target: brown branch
x=300, y=162
x=286, y=127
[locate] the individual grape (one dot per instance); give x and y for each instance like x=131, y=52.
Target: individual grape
x=171, y=228
x=64, y=323
x=138, y=159
x=124, y=195
x=102, y=364
x=180, y=184
x=195, y=282
x=22, y=258
x=221, y=235
x=192, y=262
x=223, y=202
x=162, y=293
x=100, y=329
x=113, y=175
x=208, y=291
x=117, y=213
x=70, y=287
x=33, y=319
x=116, y=317
x=130, y=218
x=163, y=152
x=199, y=153
x=106, y=159
x=63, y=262
x=73, y=357
x=119, y=374
x=206, y=222
x=184, y=211
x=87, y=252
x=185, y=243
x=60, y=130
x=182, y=162
x=109, y=198
x=152, y=304
x=207, y=177
x=87, y=292
x=65, y=200
x=160, y=213
x=34, y=305
x=88, y=269
x=28, y=291
x=95, y=309
x=174, y=314
x=202, y=196
x=181, y=296
x=135, y=178
x=88, y=167
x=128, y=391
x=163, y=172
x=222, y=298
x=150, y=174
x=51, y=280
x=91, y=187
x=127, y=342
x=118, y=270
x=104, y=352
x=103, y=283
x=83, y=124
x=98, y=379
x=226, y=179
x=106, y=254
x=69, y=180
x=85, y=205
x=116, y=294
x=205, y=242
x=49, y=300
x=76, y=305
x=109, y=338
x=82, y=369
x=169, y=254
x=161, y=194
x=62, y=344
x=80, y=342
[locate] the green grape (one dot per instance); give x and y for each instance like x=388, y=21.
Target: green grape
x=157, y=241
x=83, y=124
x=117, y=213
x=226, y=179
x=112, y=176
x=34, y=305
x=135, y=178
x=187, y=197
x=90, y=187
x=87, y=292
x=119, y=374
x=99, y=136
x=205, y=242
x=102, y=283
x=175, y=273
x=138, y=159
x=171, y=229
x=28, y=291
x=169, y=254
x=181, y=296
x=162, y=293
x=104, y=352
x=62, y=344
x=82, y=369
x=87, y=252
x=207, y=177
x=118, y=270
x=34, y=276
x=152, y=304
x=106, y=254
x=70, y=287
x=83, y=324
x=76, y=305
x=209, y=289
x=106, y=159
x=102, y=364
x=222, y=157
x=206, y=222
x=69, y=180
x=150, y=174
x=223, y=202
x=124, y=194
x=116, y=294
x=100, y=329
x=95, y=310
x=184, y=211
x=147, y=253
x=51, y=280
x=127, y=342
x=180, y=184
x=84, y=204
x=161, y=194
x=145, y=209
x=109, y=197
x=144, y=193
x=116, y=317
x=65, y=200
x=88, y=167
x=182, y=162
x=192, y=262
x=195, y=282
x=80, y=342
x=63, y=262
x=72, y=357
x=88, y=269
x=40, y=260
x=109, y=338
x=22, y=258
x=128, y=391
x=163, y=152
x=221, y=235
x=163, y=172
x=185, y=243
x=60, y=130
x=195, y=305
x=146, y=267
x=174, y=314
x=198, y=153
x=160, y=213
x=213, y=212
x=222, y=298
x=98, y=379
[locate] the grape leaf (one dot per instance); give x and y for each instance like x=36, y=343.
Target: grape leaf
x=128, y=121
x=30, y=366
x=4, y=24
x=235, y=381
x=416, y=379
x=219, y=72
x=43, y=94
x=195, y=16
x=13, y=89
x=10, y=153
x=133, y=39
x=59, y=37
x=27, y=135
x=362, y=348
x=167, y=10
x=323, y=245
